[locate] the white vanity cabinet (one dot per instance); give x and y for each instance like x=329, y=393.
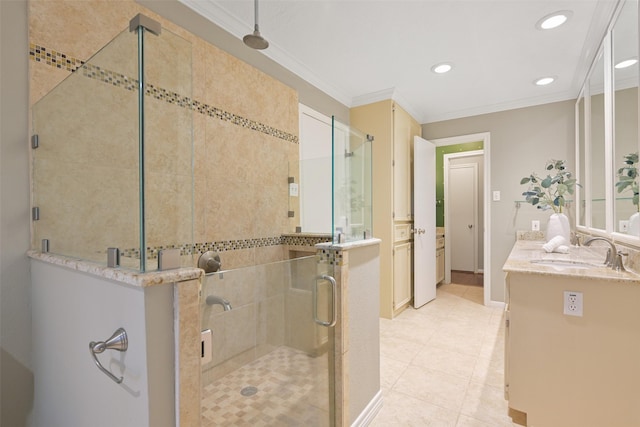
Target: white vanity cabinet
x=566, y=370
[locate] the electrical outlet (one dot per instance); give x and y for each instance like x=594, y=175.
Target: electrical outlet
x=573, y=303
x=535, y=225
x=623, y=226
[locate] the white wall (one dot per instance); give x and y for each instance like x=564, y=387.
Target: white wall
x=522, y=140
x=71, y=309
x=364, y=328
x=16, y=390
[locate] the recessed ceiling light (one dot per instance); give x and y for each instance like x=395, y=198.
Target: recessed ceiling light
x=554, y=20
x=626, y=63
x=544, y=81
x=441, y=68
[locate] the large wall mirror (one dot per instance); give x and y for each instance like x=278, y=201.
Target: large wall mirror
x=607, y=131
x=625, y=99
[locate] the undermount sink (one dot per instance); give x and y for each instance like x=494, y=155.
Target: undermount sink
x=564, y=263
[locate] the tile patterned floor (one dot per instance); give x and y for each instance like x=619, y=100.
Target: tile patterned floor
x=288, y=393
x=442, y=365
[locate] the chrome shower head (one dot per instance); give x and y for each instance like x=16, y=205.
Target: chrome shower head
x=255, y=40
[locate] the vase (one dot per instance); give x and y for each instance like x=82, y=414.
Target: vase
x=558, y=225
x=634, y=225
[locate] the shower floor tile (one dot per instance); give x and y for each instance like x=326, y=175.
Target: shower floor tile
x=292, y=390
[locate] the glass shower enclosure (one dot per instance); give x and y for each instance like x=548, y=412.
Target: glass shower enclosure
x=272, y=348
x=342, y=206
x=112, y=153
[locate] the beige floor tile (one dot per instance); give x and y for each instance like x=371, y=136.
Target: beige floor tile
x=459, y=340
x=410, y=327
x=400, y=410
x=446, y=361
x=399, y=349
x=390, y=372
x=489, y=371
x=464, y=421
x=432, y=386
x=486, y=403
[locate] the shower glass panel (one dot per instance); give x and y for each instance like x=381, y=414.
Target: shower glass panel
x=112, y=168
x=271, y=362
x=351, y=184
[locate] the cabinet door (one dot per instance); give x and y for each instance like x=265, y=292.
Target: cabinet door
x=401, y=275
x=439, y=265
x=402, y=140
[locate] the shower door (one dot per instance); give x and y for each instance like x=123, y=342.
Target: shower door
x=271, y=345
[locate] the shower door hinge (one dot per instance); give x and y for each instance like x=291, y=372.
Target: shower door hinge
x=35, y=142
x=393, y=215
x=35, y=213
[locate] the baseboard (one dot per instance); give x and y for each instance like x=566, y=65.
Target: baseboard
x=369, y=413
x=496, y=304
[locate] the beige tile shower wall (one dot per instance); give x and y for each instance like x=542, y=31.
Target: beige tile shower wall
x=256, y=323
x=240, y=187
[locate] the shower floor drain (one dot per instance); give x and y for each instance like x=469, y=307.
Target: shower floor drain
x=249, y=391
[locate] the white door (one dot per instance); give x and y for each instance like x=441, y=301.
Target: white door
x=463, y=216
x=424, y=217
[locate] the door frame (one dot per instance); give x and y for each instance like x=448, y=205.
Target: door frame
x=447, y=236
x=485, y=137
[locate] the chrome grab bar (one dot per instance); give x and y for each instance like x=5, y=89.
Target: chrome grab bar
x=117, y=341
x=334, y=301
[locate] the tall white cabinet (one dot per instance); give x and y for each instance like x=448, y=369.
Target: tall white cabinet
x=393, y=129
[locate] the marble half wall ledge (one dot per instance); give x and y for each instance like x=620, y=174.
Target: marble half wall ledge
x=129, y=277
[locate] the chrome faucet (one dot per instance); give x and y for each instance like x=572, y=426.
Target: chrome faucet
x=614, y=258
x=212, y=299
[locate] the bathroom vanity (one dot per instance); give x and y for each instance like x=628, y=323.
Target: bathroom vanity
x=581, y=368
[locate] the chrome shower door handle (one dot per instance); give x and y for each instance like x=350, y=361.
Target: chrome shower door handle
x=334, y=301
x=118, y=341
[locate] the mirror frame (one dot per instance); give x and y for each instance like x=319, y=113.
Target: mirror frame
x=606, y=50
x=622, y=237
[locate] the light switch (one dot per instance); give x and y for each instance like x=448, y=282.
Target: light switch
x=496, y=196
x=293, y=189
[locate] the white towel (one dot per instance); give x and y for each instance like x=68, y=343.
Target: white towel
x=562, y=249
x=552, y=244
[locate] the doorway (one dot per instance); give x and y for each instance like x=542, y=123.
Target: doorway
x=478, y=145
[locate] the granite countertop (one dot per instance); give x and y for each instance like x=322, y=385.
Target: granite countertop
x=524, y=251
x=130, y=277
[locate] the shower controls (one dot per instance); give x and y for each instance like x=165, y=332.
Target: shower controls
x=205, y=347
x=209, y=262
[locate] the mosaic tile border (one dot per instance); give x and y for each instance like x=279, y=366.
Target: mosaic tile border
x=225, y=245
x=57, y=59
x=332, y=257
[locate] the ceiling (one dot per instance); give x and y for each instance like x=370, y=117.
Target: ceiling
x=361, y=51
